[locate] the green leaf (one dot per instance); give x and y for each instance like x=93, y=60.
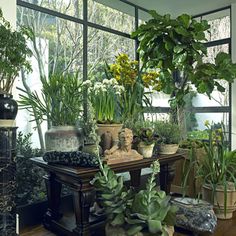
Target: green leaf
x=185, y=19
x=118, y=220
x=134, y=229
x=154, y=226
x=182, y=31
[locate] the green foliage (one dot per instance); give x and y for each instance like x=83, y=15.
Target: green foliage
x=167, y=131
x=61, y=101
x=198, y=134
x=178, y=45
x=190, y=143
x=148, y=210
x=13, y=53
x=146, y=135
x=30, y=184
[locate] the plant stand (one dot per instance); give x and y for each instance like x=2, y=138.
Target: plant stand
x=7, y=181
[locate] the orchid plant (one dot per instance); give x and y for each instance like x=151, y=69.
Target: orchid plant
x=104, y=97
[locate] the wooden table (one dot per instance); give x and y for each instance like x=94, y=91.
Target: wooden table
x=78, y=179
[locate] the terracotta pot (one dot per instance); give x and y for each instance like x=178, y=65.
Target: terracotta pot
x=218, y=202
x=119, y=231
x=168, y=148
x=8, y=107
x=108, y=131
x=146, y=150
x=63, y=139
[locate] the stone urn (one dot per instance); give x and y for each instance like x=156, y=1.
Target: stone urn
x=64, y=139
x=218, y=201
x=146, y=150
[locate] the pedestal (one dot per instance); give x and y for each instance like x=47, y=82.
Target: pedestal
x=7, y=181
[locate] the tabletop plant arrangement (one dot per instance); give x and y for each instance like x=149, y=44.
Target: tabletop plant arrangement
x=169, y=136
x=14, y=54
x=60, y=104
x=147, y=212
x=104, y=97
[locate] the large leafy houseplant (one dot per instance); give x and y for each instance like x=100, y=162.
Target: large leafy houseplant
x=147, y=211
x=60, y=102
x=14, y=53
x=177, y=45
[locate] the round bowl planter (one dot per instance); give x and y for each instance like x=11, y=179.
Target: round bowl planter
x=8, y=107
x=146, y=150
x=63, y=139
x=91, y=148
x=167, y=149
x=218, y=202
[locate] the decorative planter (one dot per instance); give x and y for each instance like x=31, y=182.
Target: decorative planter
x=63, y=138
x=218, y=202
x=8, y=107
x=91, y=148
x=146, y=150
x=119, y=231
x=168, y=148
x=109, y=134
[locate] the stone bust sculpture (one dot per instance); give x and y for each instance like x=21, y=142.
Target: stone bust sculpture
x=123, y=151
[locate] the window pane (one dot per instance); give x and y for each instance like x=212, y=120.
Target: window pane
x=213, y=51
x=122, y=19
x=156, y=116
x=104, y=46
x=160, y=99
x=143, y=16
x=219, y=25
x=68, y=7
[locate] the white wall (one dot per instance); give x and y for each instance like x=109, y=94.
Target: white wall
x=234, y=85
x=9, y=10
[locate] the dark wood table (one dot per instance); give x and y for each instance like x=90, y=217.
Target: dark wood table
x=78, y=179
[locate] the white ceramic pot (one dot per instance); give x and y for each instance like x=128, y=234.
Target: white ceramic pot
x=145, y=150
x=168, y=148
x=63, y=139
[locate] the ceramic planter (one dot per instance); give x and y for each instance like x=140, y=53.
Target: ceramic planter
x=90, y=148
x=8, y=107
x=168, y=148
x=146, y=150
x=109, y=134
x=218, y=201
x=63, y=139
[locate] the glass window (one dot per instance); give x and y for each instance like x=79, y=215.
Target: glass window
x=219, y=25
x=156, y=116
x=103, y=47
x=143, y=16
x=122, y=19
x=68, y=7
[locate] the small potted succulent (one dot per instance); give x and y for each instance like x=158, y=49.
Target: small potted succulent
x=14, y=53
x=147, y=212
x=146, y=142
x=169, y=134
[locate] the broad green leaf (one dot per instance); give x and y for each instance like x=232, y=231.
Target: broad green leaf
x=185, y=19
x=154, y=226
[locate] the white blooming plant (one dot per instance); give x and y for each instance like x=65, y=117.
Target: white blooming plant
x=105, y=97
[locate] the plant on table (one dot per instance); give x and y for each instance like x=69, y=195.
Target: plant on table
x=136, y=83
x=147, y=211
x=104, y=97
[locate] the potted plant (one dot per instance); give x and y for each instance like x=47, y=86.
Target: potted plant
x=217, y=171
x=104, y=98
x=169, y=134
x=146, y=142
x=13, y=57
x=61, y=105
x=147, y=212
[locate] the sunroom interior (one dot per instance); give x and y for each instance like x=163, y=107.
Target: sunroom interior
x=82, y=37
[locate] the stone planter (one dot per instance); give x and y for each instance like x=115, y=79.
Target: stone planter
x=119, y=231
x=63, y=139
x=109, y=134
x=168, y=148
x=146, y=150
x=91, y=148
x=218, y=201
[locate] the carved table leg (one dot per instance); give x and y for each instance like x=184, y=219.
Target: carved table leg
x=83, y=198
x=135, y=178
x=167, y=173
x=54, y=198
